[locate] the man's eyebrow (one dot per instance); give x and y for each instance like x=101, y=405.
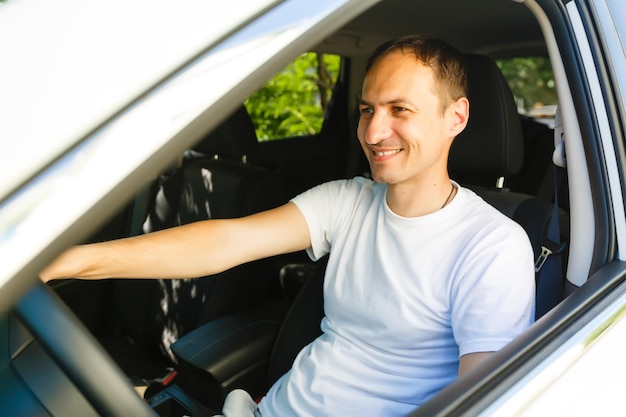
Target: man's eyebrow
x=392, y=101
x=401, y=100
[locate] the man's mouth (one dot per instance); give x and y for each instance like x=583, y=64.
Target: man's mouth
x=386, y=153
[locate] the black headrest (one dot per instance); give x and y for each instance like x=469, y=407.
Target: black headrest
x=235, y=137
x=492, y=143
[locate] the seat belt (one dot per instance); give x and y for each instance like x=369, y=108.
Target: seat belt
x=548, y=266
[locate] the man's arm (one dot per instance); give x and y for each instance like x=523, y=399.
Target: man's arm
x=193, y=250
x=471, y=360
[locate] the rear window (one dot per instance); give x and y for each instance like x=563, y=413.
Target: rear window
x=293, y=103
x=532, y=82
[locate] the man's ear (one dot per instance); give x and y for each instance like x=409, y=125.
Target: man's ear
x=458, y=116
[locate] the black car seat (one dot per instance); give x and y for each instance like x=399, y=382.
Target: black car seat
x=249, y=350
x=492, y=145
x=538, y=150
x=213, y=181
x=490, y=150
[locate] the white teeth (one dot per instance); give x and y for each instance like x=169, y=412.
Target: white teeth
x=386, y=152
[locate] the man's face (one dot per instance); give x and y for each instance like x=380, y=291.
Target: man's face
x=402, y=130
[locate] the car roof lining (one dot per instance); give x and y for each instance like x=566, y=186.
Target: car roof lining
x=517, y=29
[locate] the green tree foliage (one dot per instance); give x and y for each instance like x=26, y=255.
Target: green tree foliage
x=531, y=80
x=294, y=101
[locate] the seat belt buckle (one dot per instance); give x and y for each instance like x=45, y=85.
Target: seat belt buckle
x=548, y=248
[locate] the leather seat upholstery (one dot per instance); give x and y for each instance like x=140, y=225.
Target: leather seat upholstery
x=492, y=144
x=213, y=182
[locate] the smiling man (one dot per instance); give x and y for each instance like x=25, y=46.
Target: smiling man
x=424, y=279
x=409, y=117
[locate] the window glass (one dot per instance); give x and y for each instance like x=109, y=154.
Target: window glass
x=618, y=11
x=532, y=82
x=294, y=101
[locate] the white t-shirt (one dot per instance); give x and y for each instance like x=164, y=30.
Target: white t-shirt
x=404, y=298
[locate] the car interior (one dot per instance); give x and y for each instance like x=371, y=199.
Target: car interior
x=184, y=344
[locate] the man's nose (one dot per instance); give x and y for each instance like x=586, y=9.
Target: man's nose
x=377, y=128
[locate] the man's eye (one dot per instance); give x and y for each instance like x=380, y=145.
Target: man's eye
x=366, y=110
x=398, y=109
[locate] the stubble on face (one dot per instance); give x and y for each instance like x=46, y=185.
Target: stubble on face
x=401, y=124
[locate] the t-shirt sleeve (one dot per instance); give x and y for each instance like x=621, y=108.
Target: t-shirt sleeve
x=493, y=300
x=320, y=206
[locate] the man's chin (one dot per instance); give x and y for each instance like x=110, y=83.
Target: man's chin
x=379, y=177
x=383, y=173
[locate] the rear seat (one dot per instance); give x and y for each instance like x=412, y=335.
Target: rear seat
x=212, y=182
x=537, y=163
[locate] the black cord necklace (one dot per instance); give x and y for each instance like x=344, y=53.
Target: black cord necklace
x=445, y=203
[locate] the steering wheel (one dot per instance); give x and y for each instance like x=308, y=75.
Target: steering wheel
x=79, y=355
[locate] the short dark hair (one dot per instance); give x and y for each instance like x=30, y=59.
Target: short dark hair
x=446, y=61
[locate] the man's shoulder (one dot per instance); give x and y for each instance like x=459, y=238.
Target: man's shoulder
x=489, y=218
x=482, y=209
x=356, y=184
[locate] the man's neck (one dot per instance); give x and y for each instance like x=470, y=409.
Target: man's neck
x=415, y=200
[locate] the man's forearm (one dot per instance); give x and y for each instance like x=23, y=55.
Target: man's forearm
x=182, y=252
x=189, y=251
